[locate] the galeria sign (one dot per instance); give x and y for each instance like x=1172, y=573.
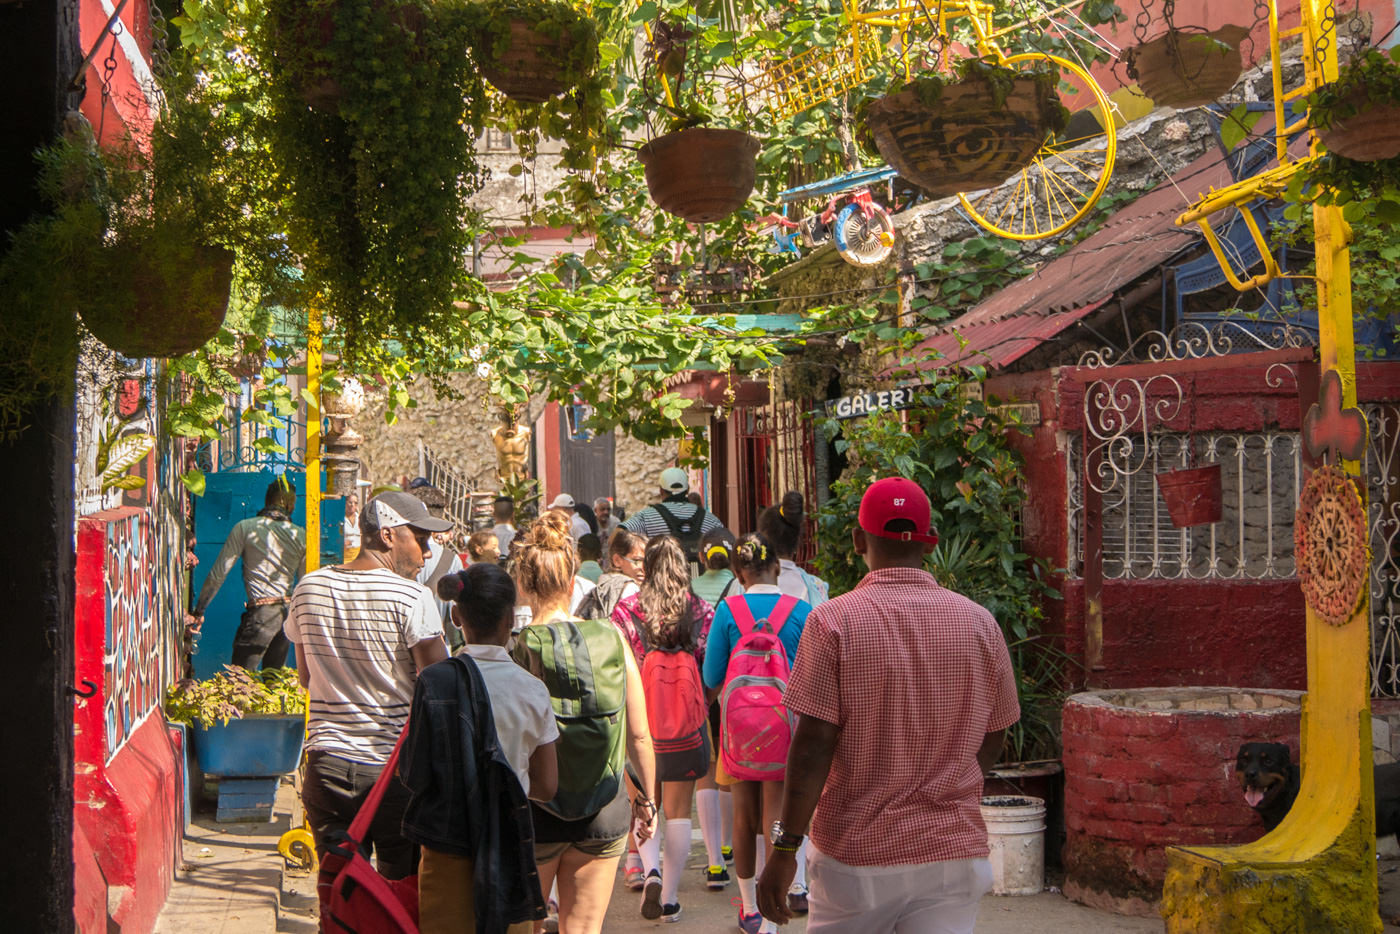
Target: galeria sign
x=853, y=406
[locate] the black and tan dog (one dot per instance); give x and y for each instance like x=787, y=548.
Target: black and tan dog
x=1269, y=779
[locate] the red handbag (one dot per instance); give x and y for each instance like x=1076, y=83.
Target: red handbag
x=355, y=898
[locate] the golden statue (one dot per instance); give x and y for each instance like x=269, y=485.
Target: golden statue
x=512, y=448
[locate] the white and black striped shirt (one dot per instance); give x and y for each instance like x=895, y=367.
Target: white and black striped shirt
x=353, y=631
x=649, y=524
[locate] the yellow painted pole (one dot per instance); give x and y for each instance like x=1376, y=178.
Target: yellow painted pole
x=313, y=438
x=1316, y=871
x=297, y=845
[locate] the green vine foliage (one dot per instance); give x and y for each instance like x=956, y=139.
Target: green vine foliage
x=380, y=169
x=233, y=694
x=956, y=448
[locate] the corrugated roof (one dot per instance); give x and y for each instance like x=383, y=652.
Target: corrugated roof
x=1033, y=309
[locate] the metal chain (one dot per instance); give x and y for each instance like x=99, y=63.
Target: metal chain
x=1325, y=30
x=160, y=44
x=1142, y=21
x=938, y=41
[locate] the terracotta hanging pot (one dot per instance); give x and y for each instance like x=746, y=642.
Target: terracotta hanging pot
x=168, y=296
x=964, y=140
x=1193, y=495
x=528, y=68
x=700, y=174
x=1369, y=135
x=1185, y=68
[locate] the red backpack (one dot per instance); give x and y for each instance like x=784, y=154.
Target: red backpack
x=355, y=898
x=676, y=708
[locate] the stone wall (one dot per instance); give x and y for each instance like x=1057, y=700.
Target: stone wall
x=460, y=431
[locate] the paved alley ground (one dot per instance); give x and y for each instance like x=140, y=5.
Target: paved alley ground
x=233, y=882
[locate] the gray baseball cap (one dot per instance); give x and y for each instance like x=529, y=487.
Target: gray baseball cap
x=393, y=509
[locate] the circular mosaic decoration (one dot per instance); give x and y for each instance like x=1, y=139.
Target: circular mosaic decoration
x=1329, y=545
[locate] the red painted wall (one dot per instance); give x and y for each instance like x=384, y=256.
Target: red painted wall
x=1169, y=632
x=1140, y=780
x=128, y=808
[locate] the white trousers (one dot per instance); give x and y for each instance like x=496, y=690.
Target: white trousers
x=931, y=898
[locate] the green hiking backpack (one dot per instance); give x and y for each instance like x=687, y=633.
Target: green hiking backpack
x=582, y=664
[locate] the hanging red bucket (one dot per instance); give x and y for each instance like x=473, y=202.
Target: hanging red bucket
x=1193, y=495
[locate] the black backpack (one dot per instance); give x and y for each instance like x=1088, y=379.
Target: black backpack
x=687, y=530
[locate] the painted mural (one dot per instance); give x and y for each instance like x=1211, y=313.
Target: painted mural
x=144, y=562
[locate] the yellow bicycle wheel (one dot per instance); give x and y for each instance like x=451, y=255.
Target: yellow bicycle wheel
x=1061, y=185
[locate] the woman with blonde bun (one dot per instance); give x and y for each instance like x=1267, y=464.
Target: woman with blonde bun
x=580, y=851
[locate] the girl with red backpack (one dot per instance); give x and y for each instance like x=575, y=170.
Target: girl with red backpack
x=753, y=642
x=667, y=626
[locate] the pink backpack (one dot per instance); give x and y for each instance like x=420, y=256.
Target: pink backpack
x=756, y=730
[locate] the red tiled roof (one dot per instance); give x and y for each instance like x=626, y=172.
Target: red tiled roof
x=1039, y=306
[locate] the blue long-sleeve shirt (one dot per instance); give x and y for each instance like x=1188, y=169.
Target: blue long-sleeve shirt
x=724, y=632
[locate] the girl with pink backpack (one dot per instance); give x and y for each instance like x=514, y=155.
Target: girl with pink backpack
x=753, y=642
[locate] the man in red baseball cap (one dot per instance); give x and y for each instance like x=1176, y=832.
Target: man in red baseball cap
x=903, y=692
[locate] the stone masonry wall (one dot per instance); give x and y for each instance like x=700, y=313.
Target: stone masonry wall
x=460, y=431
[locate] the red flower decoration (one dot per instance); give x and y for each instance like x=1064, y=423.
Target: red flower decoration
x=1329, y=428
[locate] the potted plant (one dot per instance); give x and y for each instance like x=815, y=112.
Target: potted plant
x=969, y=133
x=697, y=171
x=147, y=233
x=244, y=723
x=1358, y=115
x=1186, y=67
x=377, y=186
x=532, y=50
x=248, y=730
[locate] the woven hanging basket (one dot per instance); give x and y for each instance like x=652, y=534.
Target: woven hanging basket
x=528, y=69
x=963, y=141
x=1186, y=68
x=168, y=297
x=1371, y=134
x=700, y=174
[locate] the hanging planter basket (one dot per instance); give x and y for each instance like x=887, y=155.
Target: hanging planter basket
x=1185, y=68
x=526, y=66
x=168, y=295
x=1193, y=495
x=700, y=174
x=306, y=34
x=1371, y=134
x=960, y=138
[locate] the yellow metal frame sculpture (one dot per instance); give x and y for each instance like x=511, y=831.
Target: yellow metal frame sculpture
x=1048, y=197
x=1317, y=870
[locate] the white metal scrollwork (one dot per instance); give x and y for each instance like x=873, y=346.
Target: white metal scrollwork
x=1194, y=340
x=1118, y=417
x=1382, y=475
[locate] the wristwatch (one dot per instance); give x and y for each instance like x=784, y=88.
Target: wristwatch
x=782, y=840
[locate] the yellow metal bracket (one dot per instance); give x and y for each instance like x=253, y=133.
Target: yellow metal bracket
x=1268, y=184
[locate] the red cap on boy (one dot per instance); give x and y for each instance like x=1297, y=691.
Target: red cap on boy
x=897, y=498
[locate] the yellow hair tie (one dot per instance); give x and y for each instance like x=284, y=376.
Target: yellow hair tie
x=722, y=549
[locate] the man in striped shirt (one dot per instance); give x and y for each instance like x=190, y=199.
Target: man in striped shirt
x=363, y=631
x=675, y=514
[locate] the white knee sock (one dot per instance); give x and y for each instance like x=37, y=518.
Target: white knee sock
x=726, y=818
x=760, y=857
x=634, y=859
x=677, y=852
x=651, y=854
x=799, y=878
x=748, y=894
x=707, y=809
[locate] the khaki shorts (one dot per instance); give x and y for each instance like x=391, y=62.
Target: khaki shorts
x=597, y=849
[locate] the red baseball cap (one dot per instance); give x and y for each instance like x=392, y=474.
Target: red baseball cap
x=897, y=498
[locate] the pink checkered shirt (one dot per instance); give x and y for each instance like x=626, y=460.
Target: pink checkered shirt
x=915, y=676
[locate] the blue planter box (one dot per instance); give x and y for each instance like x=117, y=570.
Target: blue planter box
x=257, y=745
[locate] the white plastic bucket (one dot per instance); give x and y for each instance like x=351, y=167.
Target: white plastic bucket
x=1016, y=834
